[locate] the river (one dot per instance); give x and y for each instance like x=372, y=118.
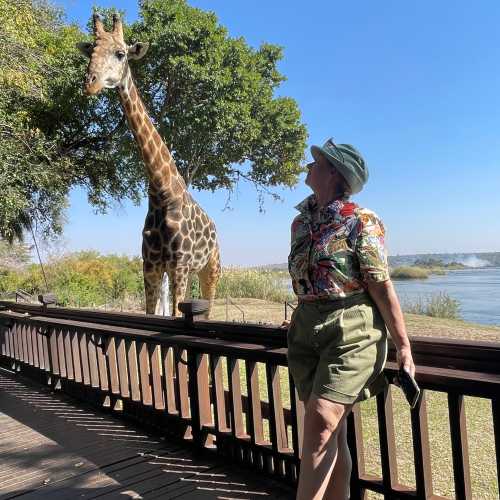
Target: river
x=477, y=290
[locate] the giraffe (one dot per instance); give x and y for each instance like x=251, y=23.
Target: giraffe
x=178, y=236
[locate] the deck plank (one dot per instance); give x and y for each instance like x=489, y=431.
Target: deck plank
x=54, y=448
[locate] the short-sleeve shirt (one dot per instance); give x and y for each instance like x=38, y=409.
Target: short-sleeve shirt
x=338, y=253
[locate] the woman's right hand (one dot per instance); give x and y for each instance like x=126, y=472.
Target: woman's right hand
x=285, y=324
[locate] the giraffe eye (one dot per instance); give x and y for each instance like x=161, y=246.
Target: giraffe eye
x=120, y=54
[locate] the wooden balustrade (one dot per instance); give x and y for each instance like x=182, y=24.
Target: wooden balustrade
x=220, y=387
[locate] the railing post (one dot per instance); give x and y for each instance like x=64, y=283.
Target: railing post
x=52, y=380
x=459, y=444
x=355, y=443
x=190, y=309
x=387, y=439
x=194, y=402
x=421, y=449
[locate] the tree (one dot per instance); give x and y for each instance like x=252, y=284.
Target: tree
x=211, y=96
x=45, y=145
x=14, y=256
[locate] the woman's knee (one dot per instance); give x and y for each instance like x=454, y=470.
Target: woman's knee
x=323, y=417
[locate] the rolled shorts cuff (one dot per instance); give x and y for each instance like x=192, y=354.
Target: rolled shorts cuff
x=335, y=396
x=377, y=386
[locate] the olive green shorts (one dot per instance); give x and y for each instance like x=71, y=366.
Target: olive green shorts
x=337, y=349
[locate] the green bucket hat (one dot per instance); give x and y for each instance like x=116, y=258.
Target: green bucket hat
x=347, y=160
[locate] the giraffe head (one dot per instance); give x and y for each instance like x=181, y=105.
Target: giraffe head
x=109, y=56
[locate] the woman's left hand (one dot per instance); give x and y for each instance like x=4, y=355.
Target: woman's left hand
x=405, y=360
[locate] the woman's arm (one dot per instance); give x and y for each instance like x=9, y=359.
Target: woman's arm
x=384, y=295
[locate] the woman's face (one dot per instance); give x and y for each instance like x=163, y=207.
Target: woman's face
x=321, y=175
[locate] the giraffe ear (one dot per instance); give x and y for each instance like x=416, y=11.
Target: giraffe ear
x=138, y=50
x=85, y=48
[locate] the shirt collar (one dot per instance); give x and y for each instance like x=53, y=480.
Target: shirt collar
x=306, y=207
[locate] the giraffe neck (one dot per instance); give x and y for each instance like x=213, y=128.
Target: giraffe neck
x=164, y=178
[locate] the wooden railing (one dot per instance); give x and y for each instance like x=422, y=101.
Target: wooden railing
x=222, y=387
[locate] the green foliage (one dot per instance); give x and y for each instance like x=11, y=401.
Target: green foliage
x=251, y=283
x=88, y=279
x=82, y=279
x=409, y=272
x=46, y=140
x=212, y=97
x=13, y=256
x=440, y=305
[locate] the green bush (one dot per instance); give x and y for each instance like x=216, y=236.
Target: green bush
x=252, y=283
x=409, y=272
x=440, y=305
x=82, y=279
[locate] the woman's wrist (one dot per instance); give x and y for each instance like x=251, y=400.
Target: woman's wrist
x=404, y=346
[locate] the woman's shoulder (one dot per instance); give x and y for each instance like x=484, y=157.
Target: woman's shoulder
x=366, y=213
x=368, y=218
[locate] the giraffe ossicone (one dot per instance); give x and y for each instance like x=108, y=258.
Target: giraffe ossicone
x=178, y=237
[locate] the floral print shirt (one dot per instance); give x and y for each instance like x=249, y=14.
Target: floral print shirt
x=337, y=253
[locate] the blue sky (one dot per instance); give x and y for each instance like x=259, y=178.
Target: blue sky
x=413, y=85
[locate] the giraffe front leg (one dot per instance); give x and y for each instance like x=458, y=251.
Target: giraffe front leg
x=153, y=276
x=209, y=277
x=178, y=285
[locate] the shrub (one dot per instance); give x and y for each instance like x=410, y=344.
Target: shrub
x=440, y=305
x=409, y=272
x=252, y=283
x=82, y=279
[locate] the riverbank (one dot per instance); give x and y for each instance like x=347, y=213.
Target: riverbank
x=262, y=311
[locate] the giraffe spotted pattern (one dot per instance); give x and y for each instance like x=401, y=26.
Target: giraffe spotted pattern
x=179, y=238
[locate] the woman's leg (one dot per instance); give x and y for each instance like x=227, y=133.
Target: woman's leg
x=319, y=451
x=338, y=487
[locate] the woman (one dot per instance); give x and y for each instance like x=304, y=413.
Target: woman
x=337, y=338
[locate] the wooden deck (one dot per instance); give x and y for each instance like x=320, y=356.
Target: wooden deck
x=55, y=448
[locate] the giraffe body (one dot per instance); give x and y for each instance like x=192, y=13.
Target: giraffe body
x=178, y=236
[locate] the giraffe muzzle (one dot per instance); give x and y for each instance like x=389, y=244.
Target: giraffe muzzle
x=92, y=85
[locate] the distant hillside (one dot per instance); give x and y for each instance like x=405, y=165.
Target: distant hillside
x=482, y=259
x=486, y=259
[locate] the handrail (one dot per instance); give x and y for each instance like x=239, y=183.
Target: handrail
x=429, y=351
